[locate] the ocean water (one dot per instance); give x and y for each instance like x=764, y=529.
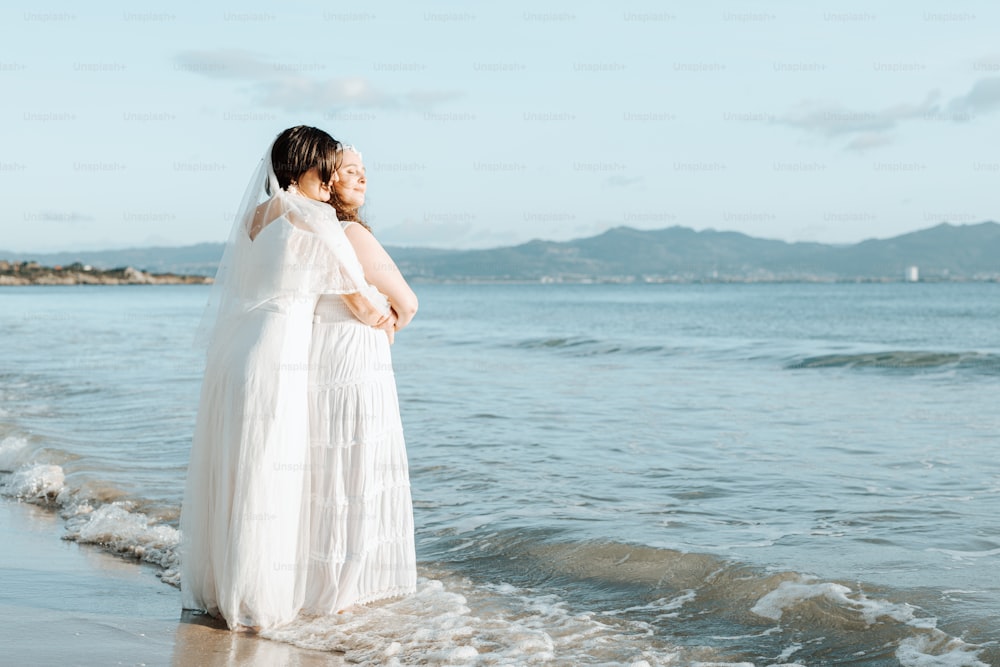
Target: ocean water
x=787, y=474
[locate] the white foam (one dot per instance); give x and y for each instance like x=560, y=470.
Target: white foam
x=29, y=479
x=38, y=482
x=668, y=607
x=461, y=624
x=787, y=653
x=964, y=555
x=790, y=593
x=937, y=650
x=115, y=527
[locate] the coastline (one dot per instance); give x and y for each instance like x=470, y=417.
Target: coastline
x=65, y=603
x=32, y=273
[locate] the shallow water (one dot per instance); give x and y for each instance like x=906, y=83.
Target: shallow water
x=739, y=474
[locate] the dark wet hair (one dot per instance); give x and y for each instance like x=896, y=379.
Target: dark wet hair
x=298, y=149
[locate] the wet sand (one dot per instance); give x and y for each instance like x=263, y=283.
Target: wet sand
x=62, y=603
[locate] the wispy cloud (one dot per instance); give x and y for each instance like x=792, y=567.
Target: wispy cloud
x=866, y=130
x=302, y=86
x=983, y=98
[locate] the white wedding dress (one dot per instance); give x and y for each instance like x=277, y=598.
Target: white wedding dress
x=297, y=490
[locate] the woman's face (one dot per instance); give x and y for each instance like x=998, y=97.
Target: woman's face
x=349, y=181
x=311, y=185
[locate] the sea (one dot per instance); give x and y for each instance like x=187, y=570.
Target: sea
x=644, y=474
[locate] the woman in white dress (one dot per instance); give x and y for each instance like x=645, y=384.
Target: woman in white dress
x=362, y=518
x=245, y=520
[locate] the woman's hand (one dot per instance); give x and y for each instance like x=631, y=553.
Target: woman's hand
x=388, y=324
x=383, y=273
x=365, y=310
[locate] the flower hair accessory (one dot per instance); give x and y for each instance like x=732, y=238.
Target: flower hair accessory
x=349, y=147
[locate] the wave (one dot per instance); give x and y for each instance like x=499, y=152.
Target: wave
x=522, y=596
x=453, y=621
x=450, y=620
x=905, y=360
x=579, y=346
x=737, y=612
x=118, y=526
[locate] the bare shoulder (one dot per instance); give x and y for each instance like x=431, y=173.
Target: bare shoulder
x=353, y=228
x=360, y=236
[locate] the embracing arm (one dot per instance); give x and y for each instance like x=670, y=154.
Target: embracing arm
x=370, y=314
x=383, y=273
x=364, y=309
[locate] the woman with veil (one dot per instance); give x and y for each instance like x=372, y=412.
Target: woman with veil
x=246, y=517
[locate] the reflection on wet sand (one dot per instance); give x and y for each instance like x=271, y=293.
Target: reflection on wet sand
x=207, y=642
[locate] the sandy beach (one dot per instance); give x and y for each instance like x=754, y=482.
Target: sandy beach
x=63, y=603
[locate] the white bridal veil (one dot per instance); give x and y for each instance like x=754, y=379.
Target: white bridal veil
x=236, y=290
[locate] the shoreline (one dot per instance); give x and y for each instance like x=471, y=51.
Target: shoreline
x=31, y=273
x=72, y=604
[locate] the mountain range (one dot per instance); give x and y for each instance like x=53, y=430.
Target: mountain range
x=625, y=254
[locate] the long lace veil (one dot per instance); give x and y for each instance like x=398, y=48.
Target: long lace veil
x=236, y=291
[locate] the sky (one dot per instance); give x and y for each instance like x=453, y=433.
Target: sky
x=486, y=124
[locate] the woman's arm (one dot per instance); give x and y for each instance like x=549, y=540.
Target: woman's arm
x=369, y=314
x=364, y=309
x=383, y=273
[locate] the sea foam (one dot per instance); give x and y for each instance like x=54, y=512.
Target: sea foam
x=115, y=526
x=937, y=651
x=37, y=482
x=119, y=529
x=788, y=594
x=458, y=623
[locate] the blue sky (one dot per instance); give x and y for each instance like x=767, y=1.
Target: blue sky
x=488, y=124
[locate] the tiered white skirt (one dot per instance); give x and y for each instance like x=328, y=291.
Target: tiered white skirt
x=361, y=546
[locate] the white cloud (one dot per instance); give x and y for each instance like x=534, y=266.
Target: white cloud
x=290, y=86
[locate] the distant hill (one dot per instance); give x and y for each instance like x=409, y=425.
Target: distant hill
x=683, y=254
x=943, y=252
